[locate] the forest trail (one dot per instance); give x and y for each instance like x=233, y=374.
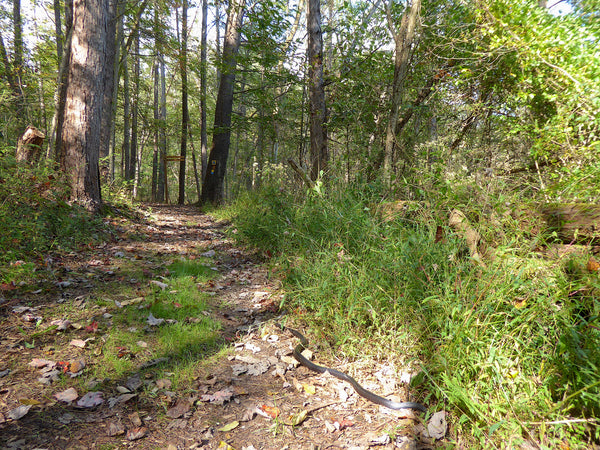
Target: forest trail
x=244, y=392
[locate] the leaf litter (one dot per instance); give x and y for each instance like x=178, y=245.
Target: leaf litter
x=264, y=381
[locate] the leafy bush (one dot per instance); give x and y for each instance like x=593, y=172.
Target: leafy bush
x=35, y=216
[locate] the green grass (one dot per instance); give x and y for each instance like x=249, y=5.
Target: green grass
x=511, y=349
x=185, y=341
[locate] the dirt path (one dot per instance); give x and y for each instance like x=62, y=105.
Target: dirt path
x=252, y=395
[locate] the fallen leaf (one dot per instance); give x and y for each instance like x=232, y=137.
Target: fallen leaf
x=437, y=425
x=309, y=388
x=78, y=343
x=61, y=324
x=120, y=399
x=230, y=426
x=297, y=419
x=39, y=363
x=272, y=411
x=115, y=429
x=77, y=366
x=218, y=397
x=181, y=407
x=137, y=433
x=68, y=396
x=29, y=401
x=91, y=399
x=133, y=382
x=18, y=412
x=163, y=383
x=135, y=419
x=160, y=284
x=92, y=327
x=66, y=418
x=153, y=321
x=344, y=423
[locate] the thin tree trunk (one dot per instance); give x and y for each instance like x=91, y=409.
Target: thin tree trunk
x=212, y=188
x=18, y=41
x=126, y=165
x=403, y=39
x=8, y=75
x=185, y=116
x=58, y=31
x=203, y=68
x=156, y=90
x=134, y=106
x=319, y=154
x=162, y=173
x=55, y=141
x=107, y=150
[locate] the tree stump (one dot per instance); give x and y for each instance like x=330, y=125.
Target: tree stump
x=29, y=147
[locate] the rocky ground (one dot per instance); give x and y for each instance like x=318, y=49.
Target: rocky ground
x=251, y=395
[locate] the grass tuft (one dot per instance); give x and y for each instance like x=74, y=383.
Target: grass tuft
x=508, y=346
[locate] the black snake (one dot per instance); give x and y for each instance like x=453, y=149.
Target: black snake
x=345, y=377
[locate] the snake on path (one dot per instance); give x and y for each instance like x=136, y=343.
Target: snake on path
x=345, y=377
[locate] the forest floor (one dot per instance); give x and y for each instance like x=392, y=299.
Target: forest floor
x=244, y=392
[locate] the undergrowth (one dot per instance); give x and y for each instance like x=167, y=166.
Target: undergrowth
x=510, y=348
x=36, y=218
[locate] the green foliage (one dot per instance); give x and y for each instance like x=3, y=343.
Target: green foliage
x=507, y=346
x=35, y=216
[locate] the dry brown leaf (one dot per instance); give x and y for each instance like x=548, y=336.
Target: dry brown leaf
x=68, y=396
x=181, y=407
x=272, y=411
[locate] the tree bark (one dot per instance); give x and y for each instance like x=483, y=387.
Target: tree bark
x=91, y=48
x=185, y=115
x=107, y=147
x=212, y=188
x=58, y=31
x=319, y=154
x=203, y=62
x=55, y=140
x=134, y=107
x=403, y=39
x=125, y=151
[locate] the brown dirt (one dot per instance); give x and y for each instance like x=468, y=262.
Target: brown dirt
x=263, y=392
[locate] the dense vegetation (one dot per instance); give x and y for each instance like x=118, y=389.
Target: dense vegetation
x=497, y=114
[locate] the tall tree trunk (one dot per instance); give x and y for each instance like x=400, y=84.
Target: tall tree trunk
x=156, y=90
x=18, y=41
x=55, y=146
x=319, y=154
x=58, y=31
x=162, y=131
x=107, y=148
x=92, y=47
x=212, y=188
x=126, y=165
x=203, y=68
x=218, y=41
x=134, y=107
x=185, y=116
x=8, y=72
x=403, y=39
